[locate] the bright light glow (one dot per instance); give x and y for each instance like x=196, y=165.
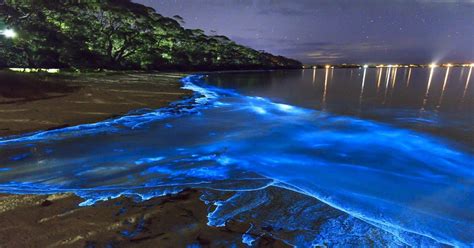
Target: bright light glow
x=433, y=65
x=28, y=70
x=9, y=33
x=449, y=65
x=366, y=66
x=472, y=65
x=327, y=66
x=389, y=66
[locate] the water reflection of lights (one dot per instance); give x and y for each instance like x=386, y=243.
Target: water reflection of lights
x=325, y=86
x=394, y=78
x=379, y=78
x=467, y=83
x=362, y=86
x=409, y=77
x=389, y=72
x=314, y=75
x=429, y=84
x=444, y=85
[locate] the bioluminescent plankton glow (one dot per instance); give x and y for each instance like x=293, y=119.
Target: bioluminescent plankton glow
x=418, y=189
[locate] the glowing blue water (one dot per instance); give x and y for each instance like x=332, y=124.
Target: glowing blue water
x=418, y=188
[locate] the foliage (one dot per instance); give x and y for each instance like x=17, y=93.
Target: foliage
x=116, y=34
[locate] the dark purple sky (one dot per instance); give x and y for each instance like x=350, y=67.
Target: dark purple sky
x=342, y=31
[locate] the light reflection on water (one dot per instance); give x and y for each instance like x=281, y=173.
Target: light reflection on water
x=414, y=186
x=435, y=100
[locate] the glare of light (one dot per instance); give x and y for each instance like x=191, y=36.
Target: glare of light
x=28, y=70
x=472, y=65
x=449, y=65
x=327, y=66
x=366, y=66
x=389, y=66
x=433, y=65
x=9, y=33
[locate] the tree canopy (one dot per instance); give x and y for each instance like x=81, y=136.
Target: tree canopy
x=116, y=34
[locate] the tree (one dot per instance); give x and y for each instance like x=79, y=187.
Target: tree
x=117, y=34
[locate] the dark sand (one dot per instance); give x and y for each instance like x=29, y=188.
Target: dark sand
x=169, y=221
x=33, y=102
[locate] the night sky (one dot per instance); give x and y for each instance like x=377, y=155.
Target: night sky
x=338, y=31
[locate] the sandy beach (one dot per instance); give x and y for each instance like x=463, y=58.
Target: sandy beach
x=35, y=102
x=176, y=220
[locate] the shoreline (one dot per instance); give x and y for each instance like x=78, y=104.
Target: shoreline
x=169, y=220
x=175, y=220
x=172, y=220
x=31, y=103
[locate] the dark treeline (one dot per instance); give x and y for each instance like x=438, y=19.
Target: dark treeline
x=116, y=34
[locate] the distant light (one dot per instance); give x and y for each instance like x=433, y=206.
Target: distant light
x=433, y=65
x=9, y=33
x=449, y=65
x=28, y=70
x=389, y=66
x=366, y=66
x=327, y=66
x=472, y=65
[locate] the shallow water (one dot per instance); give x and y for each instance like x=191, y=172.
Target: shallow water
x=408, y=185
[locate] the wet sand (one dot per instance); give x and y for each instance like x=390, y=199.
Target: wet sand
x=33, y=102
x=176, y=220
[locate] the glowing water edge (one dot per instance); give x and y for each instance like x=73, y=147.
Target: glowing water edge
x=284, y=164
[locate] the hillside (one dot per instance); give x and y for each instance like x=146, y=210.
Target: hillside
x=117, y=34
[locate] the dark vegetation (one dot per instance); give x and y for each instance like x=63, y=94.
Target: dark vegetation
x=116, y=34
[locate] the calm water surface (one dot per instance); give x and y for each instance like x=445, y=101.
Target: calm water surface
x=362, y=158
x=437, y=100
